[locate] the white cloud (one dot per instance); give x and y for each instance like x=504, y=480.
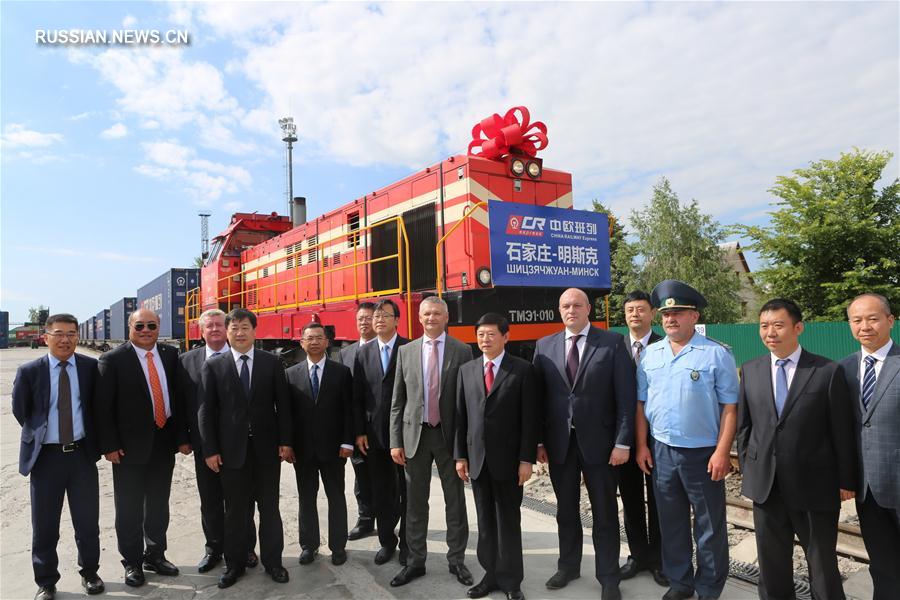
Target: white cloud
x=129, y=21
x=204, y=181
x=118, y=130
x=80, y=116
x=15, y=135
x=720, y=98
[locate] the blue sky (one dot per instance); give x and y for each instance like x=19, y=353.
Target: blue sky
x=109, y=152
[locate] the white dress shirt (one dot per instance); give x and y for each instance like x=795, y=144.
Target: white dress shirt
x=319, y=371
x=426, y=363
x=239, y=364
x=582, y=341
x=160, y=370
x=879, y=355
x=390, y=344
x=789, y=369
x=210, y=352
x=495, y=362
x=645, y=341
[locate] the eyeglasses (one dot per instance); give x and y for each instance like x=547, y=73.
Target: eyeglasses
x=382, y=316
x=68, y=334
x=315, y=338
x=140, y=326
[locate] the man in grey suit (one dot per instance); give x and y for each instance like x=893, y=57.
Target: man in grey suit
x=873, y=374
x=423, y=412
x=587, y=383
x=362, y=484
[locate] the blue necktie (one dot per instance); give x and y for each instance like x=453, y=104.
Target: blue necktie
x=314, y=380
x=385, y=358
x=245, y=375
x=781, y=385
x=868, y=388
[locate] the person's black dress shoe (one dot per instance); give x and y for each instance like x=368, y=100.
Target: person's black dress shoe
x=404, y=556
x=308, y=555
x=278, y=574
x=463, y=575
x=45, y=592
x=673, y=594
x=407, y=575
x=631, y=568
x=611, y=592
x=481, y=589
x=338, y=557
x=252, y=559
x=659, y=577
x=383, y=555
x=160, y=566
x=515, y=595
x=229, y=577
x=208, y=562
x=134, y=576
x=561, y=579
x=92, y=584
x=364, y=527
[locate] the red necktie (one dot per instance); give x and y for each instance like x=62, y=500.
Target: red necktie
x=159, y=405
x=488, y=376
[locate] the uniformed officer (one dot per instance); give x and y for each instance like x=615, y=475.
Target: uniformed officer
x=687, y=395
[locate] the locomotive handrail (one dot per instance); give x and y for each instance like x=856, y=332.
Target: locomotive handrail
x=403, y=269
x=440, y=244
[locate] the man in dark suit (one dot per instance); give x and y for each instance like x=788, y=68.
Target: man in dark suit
x=362, y=483
x=51, y=400
x=496, y=444
x=373, y=386
x=209, y=485
x=137, y=424
x=423, y=414
x=246, y=431
x=322, y=404
x=641, y=520
x=873, y=375
x=797, y=452
x=586, y=380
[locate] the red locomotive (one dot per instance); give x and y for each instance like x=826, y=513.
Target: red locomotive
x=423, y=235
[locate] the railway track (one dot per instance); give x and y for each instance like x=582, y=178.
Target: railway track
x=739, y=513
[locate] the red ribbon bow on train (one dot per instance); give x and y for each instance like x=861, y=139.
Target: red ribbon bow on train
x=508, y=134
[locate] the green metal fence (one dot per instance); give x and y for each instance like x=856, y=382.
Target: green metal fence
x=832, y=340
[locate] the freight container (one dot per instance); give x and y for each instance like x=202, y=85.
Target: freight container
x=118, y=318
x=102, y=325
x=166, y=296
x=4, y=329
x=82, y=331
x=91, y=328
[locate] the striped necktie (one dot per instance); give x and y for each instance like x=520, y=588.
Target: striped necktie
x=868, y=387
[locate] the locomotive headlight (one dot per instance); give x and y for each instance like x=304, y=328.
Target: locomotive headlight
x=534, y=170
x=484, y=276
x=517, y=166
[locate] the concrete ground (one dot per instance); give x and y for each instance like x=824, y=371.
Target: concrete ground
x=358, y=578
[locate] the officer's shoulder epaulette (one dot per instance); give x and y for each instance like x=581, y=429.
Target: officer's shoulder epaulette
x=719, y=343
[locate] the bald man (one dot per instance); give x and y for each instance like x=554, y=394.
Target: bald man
x=587, y=383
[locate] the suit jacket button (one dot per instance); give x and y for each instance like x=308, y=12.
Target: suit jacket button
x=779, y=428
x=868, y=424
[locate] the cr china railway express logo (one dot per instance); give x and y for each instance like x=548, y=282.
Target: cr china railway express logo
x=528, y=226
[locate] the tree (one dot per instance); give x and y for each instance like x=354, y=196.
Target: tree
x=38, y=315
x=198, y=261
x=677, y=241
x=835, y=235
x=621, y=265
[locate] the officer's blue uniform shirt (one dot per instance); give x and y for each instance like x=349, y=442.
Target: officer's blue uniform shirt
x=682, y=394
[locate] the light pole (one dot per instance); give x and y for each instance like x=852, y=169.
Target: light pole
x=289, y=129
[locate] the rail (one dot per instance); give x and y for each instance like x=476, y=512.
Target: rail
x=256, y=273
x=440, y=244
